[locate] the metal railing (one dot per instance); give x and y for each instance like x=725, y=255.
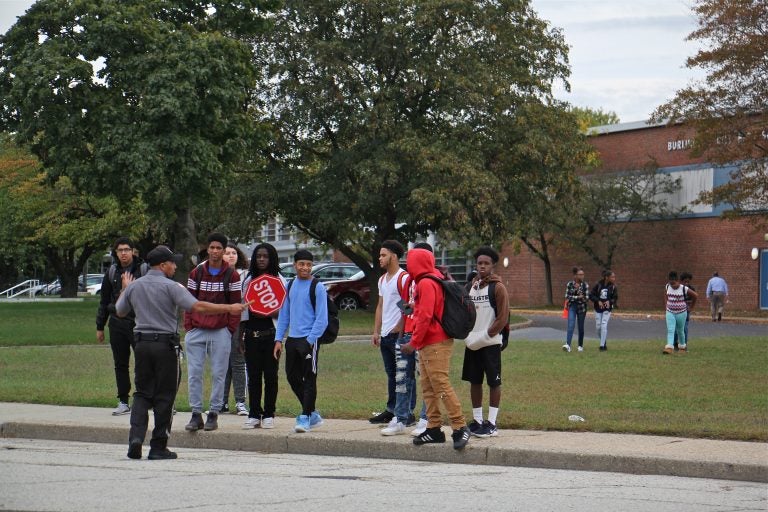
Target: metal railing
x=29, y=287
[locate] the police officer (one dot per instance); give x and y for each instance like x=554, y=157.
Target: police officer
x=154, y=300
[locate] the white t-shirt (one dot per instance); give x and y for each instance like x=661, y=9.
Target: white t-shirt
x=479, y=338
x=389, y=295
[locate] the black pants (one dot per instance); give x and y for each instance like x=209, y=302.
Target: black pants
x=261, y=365
x=157, y=379
x=121, y=341
x=302, y=371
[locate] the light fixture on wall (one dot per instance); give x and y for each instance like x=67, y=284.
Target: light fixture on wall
x=506, y=262
x=755, y=253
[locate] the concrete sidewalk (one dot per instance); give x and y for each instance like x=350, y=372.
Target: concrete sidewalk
x=623, y=453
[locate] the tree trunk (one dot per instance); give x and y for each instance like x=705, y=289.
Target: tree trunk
x=68, y=267
x=185, y=241
x=547, y=269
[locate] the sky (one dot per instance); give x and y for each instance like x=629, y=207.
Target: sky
x=626, y=56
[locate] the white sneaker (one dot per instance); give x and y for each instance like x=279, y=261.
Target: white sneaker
x=268, y=423
x=581, y=349
x=421, y=427
x=251, y=423
x=122, y=408
x=391, y=423
x=393, y=430
x=241, y=409
x=566, y=348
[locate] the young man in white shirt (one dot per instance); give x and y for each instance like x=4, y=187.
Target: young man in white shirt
x=482, y=355
x=387, y=328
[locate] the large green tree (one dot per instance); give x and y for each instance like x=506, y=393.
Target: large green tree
x=144, y=99
x=729, y=108
x=63, y=224
x=388, y=114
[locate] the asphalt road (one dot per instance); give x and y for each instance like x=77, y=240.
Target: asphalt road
x=549, y=328
x=68, y=476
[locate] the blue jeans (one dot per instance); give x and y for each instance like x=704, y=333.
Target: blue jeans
x=405, y=381
x=387, y=346
x=216, y=343
x=572, y=317
x=601, y=325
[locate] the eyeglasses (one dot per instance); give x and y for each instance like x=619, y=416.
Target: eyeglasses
x=124, y=250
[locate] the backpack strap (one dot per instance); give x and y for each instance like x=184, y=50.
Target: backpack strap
x=225, y=279
x=492, y=297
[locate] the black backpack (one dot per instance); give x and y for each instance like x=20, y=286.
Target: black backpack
x=504, y=330
x=143, y=269
x=458, y=309
x=332, y=331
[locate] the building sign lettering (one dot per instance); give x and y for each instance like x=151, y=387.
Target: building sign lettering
x=679, y=145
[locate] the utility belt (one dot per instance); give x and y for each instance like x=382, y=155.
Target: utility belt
x=251, y=334
x=172, y=338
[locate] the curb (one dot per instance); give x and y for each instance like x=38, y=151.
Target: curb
x=346, y=438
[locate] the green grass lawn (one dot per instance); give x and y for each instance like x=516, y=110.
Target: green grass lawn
x=719, y=390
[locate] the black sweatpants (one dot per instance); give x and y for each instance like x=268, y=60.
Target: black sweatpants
x=157, y=380
x=121, y=341
x=301, y=370
x=261, y=365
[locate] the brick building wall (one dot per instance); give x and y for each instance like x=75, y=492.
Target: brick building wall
x=700, y=245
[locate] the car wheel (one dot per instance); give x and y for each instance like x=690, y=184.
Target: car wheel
x=348, y=302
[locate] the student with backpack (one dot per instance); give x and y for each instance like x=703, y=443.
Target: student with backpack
x=482, y=353
x=604, y=296
x=387, y=335
x=211, y=281
x=677, y=311
x=120, y=329
x=307, y=320
x=435, y=347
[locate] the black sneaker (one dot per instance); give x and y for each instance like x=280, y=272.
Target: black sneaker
x=460, y=438
x=475, y=427
x=490, y=429
x=164, y=454
x=196, y=423
x=411, y=420
x=431, y=435
x=603, y=348
x=382, y=417
x=134, y=449
x=225, y=408
x=211, y=422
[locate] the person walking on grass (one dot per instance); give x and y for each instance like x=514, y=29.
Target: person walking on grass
x=676, y=311
x=435, y=348
x=482, y=354
x=154, y=300
x=604, y=296
x=685, y=278
x=717, y=294
x=576, y=295
x=214, y=281
x=306, y=324
x=120, y=329
x=258, y=342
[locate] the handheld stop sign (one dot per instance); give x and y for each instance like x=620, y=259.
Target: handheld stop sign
x=265, y=294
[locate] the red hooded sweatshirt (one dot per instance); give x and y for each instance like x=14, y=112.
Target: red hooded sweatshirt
x=428, y=306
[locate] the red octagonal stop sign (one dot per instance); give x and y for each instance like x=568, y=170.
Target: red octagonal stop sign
x=266, y=294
